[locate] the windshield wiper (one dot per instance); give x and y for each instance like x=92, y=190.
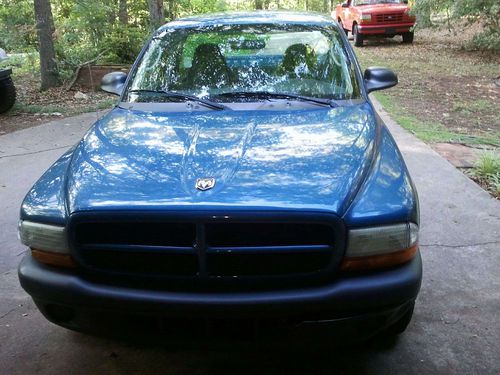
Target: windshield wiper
x=277, y=95
x=180, y=95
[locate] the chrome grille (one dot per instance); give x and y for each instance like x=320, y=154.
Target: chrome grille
x=389, y=18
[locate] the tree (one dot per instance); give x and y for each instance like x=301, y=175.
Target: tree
x=45, y=30
x=171, y=10
x=484, y=12
x=156, y=13
x=123, y=12
x=326, y=6
x=259, y=4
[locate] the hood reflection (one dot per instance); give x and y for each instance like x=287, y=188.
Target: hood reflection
x=304, y=158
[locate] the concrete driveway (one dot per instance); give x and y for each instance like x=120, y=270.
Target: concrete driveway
x=456, y=326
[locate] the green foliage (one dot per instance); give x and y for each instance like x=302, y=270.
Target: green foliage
x=488, y=164
x=17, y=26
x=486, y=12
x=123, y=44
x=487, y=172
x=22, y=63
x=487, y=40
x=188, y=7
x=86, y=29
x=90, y=31
x=494, y=182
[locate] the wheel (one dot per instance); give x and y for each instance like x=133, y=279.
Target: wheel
x=358, y=38
x=342, y=26
x=401, y=325
x=408, y=37
x=7, y=94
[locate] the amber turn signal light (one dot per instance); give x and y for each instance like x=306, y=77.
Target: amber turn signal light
x=379, y=261
x=53, y=259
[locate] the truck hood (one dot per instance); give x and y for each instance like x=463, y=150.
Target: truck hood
x=383, y=8
x=307, y=159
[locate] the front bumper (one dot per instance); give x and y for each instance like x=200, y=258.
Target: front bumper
x=382, y=293
x=381, y=30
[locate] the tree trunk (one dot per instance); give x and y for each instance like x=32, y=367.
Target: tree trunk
x=259, y=4
x=326, y=6
x=171, y=10
x=156, y=15
x=123, y=12
x=45, y=29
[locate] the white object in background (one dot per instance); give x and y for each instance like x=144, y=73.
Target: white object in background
x=3, y=54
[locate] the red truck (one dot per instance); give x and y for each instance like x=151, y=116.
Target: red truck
x=376, y=18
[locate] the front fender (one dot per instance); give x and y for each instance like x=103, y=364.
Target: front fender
x=46, y=200
x=387, y=194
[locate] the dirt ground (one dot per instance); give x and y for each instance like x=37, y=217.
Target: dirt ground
x=34, y=107
x=442, y=83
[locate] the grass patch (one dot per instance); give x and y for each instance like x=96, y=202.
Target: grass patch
x=104, y=104
x=431, y=131
x=38, y=108
x=34, y=107
x=486, y=172
x=487, y=164
x=52, y=109
x=445, y=94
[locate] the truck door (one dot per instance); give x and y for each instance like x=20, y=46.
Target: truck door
x=347, y=16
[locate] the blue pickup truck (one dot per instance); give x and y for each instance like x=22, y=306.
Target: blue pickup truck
x=243, y=174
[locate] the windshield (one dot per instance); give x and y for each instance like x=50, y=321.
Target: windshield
x=223, y=62
x=372, y=2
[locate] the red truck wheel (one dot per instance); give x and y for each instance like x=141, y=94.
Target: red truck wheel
x=358, y=38
x=408, y=37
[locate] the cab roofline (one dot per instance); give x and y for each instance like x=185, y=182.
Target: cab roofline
x=248, y=18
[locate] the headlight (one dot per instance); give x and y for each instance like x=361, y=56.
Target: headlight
x=382, y=246
x=366, y=17
x=43, y=237
x=48, y=243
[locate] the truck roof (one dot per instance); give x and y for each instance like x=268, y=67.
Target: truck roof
x=259, y=17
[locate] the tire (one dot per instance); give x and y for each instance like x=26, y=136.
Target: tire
x=358, y=38
x=400, y=326
x=408, y=37
x=7, y=94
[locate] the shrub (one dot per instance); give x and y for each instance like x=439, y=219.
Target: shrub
x=486, y=12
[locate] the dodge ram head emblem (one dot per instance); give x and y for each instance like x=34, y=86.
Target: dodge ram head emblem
x=205, y=183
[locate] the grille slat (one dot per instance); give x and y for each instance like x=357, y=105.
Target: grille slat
x=235, y=264
x=143, y=263
x=269, y=249
x=137, y=248
x=137, y=233
x=389, y=17
x=267, y=234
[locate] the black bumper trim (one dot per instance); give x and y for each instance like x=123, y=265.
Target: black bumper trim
x=354, y=295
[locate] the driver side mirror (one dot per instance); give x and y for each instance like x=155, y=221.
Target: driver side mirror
x=113, y=82
x=377, y=78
